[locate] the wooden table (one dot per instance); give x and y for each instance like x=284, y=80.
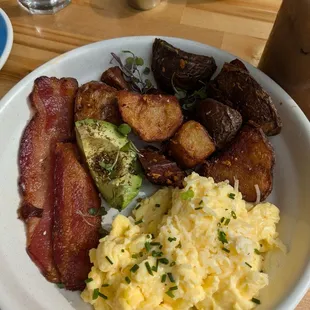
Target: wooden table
x=239, y=27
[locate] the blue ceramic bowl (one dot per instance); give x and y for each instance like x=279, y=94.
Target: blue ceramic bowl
x=6, y=37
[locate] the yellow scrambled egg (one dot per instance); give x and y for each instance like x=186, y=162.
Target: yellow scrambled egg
x=195, y=248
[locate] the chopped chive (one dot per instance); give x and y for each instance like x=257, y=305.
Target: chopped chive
x=257, y=252
x=109, y=260
x=148, y=267
x=222, y=219
x=256, y=301
x=172, y=264
x=233, y=214
x=154, y=243
x=157, y=205
x=102, y=296
x=122, y=250
x=164, y=261
x=170, y=276
x=148, y=236
x=172, y=239
x=200, y=202
x=134, y=255
x=88, y=280
x=199, y=208
x=226, y=250
x=134, y=268
x=227, y=222
x=248, y=264
x=179, y=246
x=147, y=246
x=163, y=278
x=173, y=288
x=187, y=195
x=139, y=222
x=127, y=280
x=157, y=254
x=160, y=247
x=170, y=294
x=105, y=285
x=137, y=207
x=222, y=236
x=95, y=293
x=61, y=285
x=92, y=211
x=231, y=195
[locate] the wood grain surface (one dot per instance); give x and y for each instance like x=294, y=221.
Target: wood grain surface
x=239, y=27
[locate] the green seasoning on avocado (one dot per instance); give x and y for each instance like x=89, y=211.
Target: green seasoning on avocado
x=114, y=168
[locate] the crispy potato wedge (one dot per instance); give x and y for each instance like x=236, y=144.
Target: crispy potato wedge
x=159, y=170
x=221, y=121
x=235, y=87
x=97, y=100
x=186, y=69
x=114, y=77
x=249, y=158
x=152, y=117
x=190, y=145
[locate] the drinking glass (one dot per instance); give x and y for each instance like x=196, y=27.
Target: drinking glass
x=43, y=6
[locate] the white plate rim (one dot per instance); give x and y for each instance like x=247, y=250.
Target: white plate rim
x=303, y=284
x=9, y=42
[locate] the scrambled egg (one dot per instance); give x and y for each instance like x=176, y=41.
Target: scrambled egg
x=194, y=248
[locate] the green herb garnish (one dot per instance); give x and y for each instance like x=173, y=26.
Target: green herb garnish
x=102, y=295
x=137, y=206
x=222, y=219
x=231, y=195
x=173, y=288
x=226, y=250
x=257, y=252
x=172, y=264
x=61, y=285
x=187, y=195
x=154, y=243
x=134, y=268
x=256, y=301
x=170, y=239
x=163, y=278
x=179, y=246
x=105, y=285
x=124, y=129
x=92, y=211
x=201, y=202
x=88, y=280
x=157, y=254
x=248, y=264
x=122, y=250
x=170, y=294
x=109, y=260
x=146, y=70
x=147, y=246
x=95, y=293
x=127, y=280
x=134, y=255
x=157, y=205
x=148, y=267
x=233, y=214
x=164, y=261
x=227, y=222
x=139, y=222
x=170, y=276
x=222, y=236
x=199, y=208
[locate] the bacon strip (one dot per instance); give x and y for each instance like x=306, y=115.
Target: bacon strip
x=53, y=102
x=75, y=231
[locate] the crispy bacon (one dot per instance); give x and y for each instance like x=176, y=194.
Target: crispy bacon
x=53, y=102
x=75, y=231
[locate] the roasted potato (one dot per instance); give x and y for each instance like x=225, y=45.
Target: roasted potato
x=221, y=121
x=114, y=77
x=98, y=101
x=186, y=69
x=249, y=159
x=190, y=145
x=152, y=117
x=159, y=170
x=235, y=87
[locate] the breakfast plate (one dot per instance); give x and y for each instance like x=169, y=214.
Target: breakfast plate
x=21, y=284
x=6, y=37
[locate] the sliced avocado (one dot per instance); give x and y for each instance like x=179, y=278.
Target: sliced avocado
x=112, y=164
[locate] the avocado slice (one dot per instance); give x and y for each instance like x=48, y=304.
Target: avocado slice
x=111, y=161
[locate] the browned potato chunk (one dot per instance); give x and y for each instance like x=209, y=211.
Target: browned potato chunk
x=152, y=117
x=98, y=101
x=159, y=170
x=191, y=145
x=114, y=77
x=250, y=159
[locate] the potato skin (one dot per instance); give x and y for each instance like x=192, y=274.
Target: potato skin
x=235, y=87
x=159, y=170
x=114, y=77
x=249, y=158
x=190, y=145
x=186, y=69
x=152, y=117
x=97, y=100
x=221, y=121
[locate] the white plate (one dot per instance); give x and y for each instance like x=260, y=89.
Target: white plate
x=6, y=37
x=22, y=286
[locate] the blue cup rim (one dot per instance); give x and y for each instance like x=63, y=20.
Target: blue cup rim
x=6, y=37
